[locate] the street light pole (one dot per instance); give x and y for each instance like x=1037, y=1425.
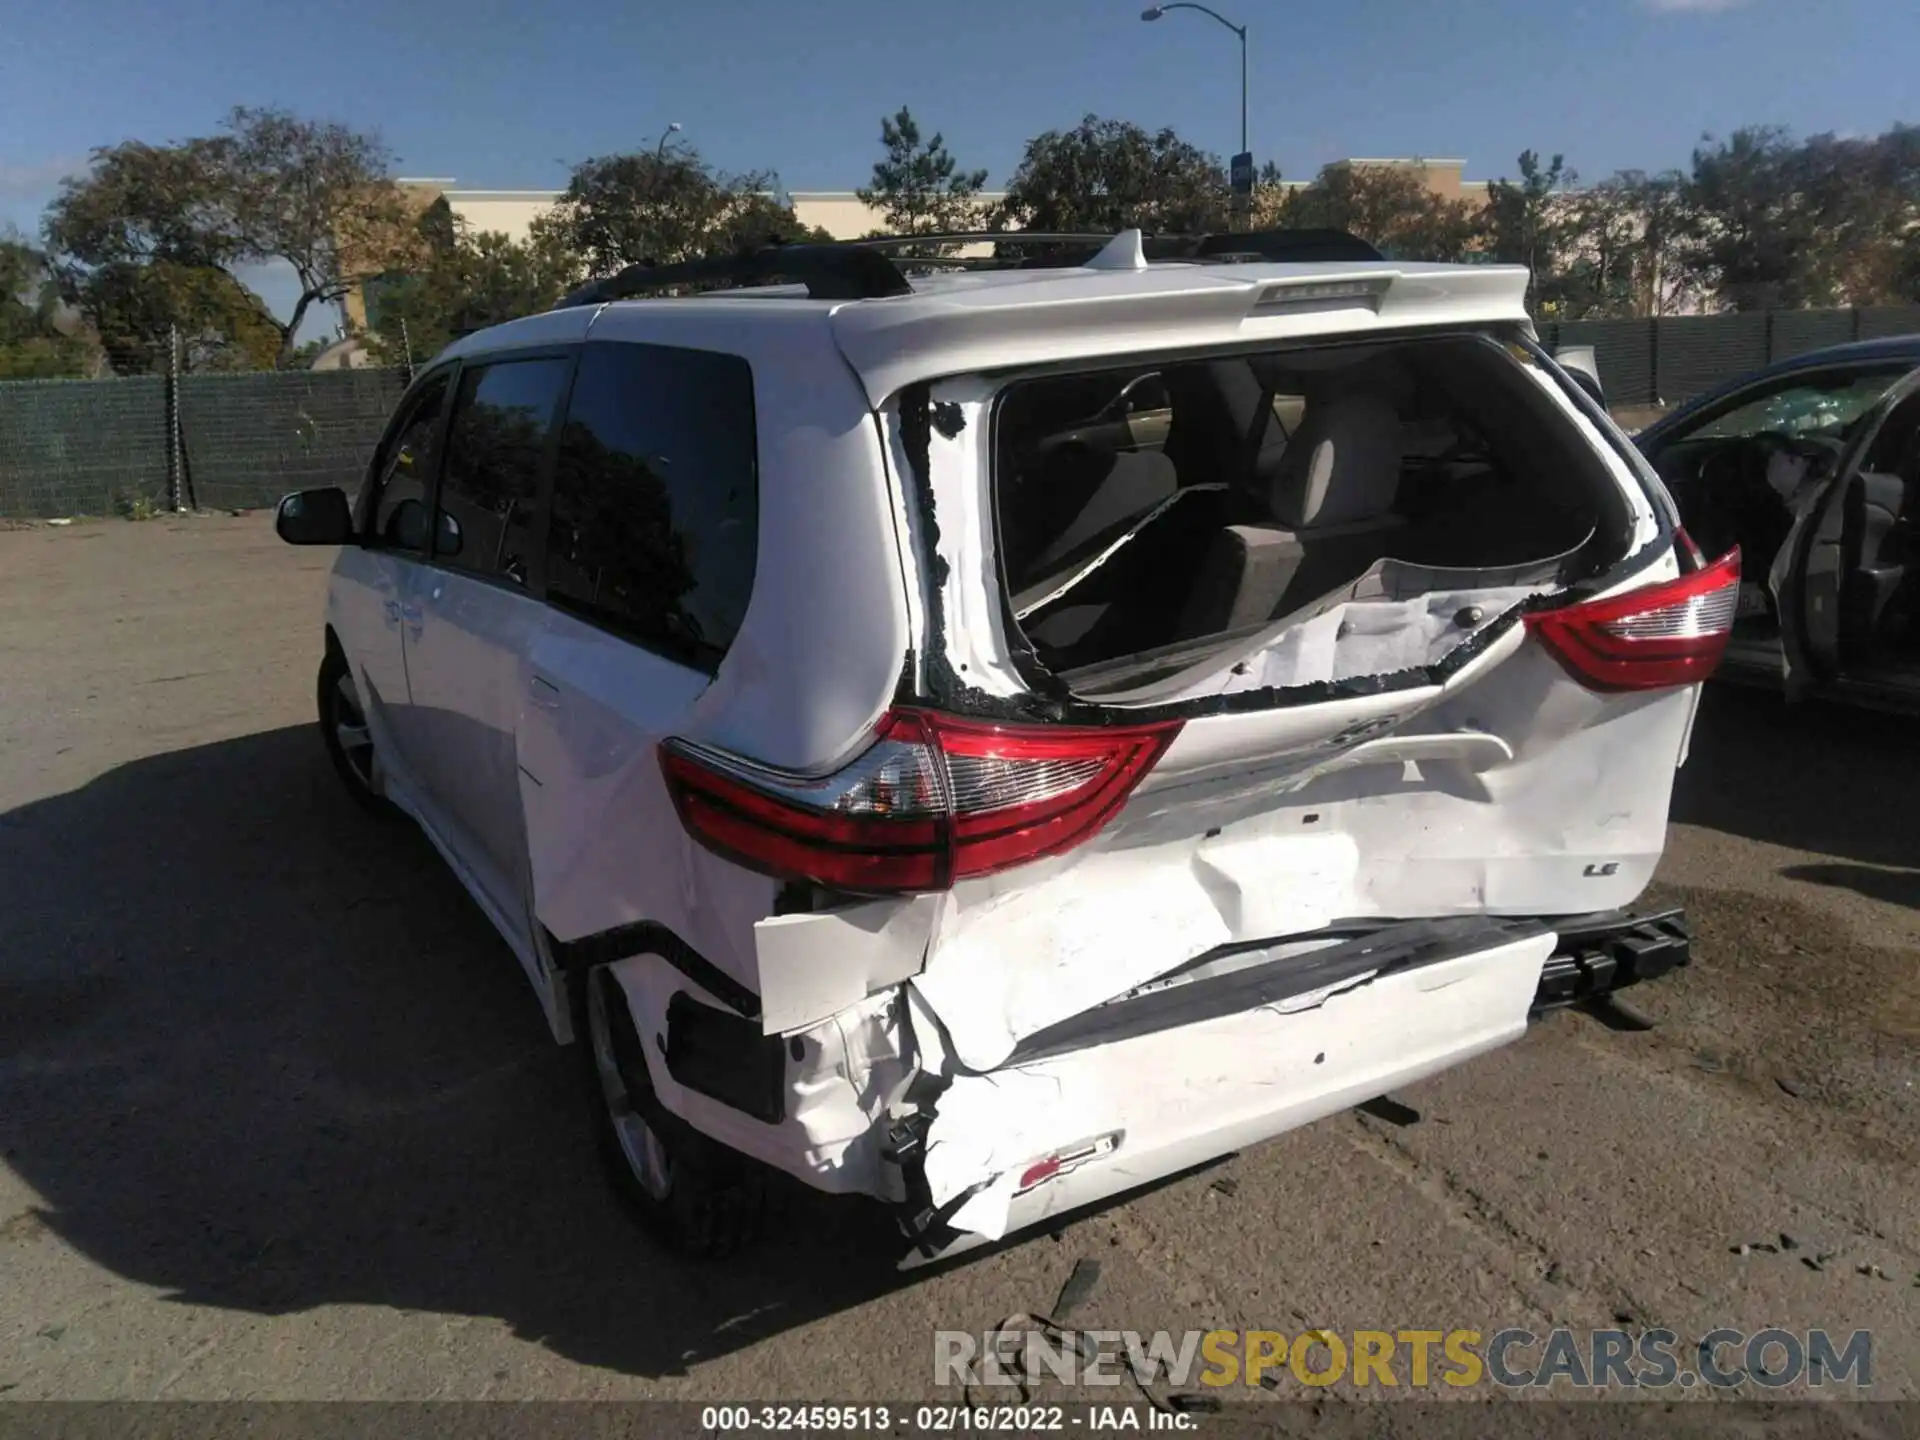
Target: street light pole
x=1154, y=12
x=661, y=152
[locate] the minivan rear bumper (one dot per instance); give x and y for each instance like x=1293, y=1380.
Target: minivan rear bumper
x=1145, y=1088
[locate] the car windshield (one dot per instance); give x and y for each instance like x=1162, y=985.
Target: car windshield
x=1821, y=403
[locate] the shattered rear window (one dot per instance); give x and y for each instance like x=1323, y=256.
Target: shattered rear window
x=1157, y=511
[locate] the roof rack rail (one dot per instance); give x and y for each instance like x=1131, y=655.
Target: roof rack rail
x=861, y=269
x=830, y=272
x=1069, y=248
x=981, y=237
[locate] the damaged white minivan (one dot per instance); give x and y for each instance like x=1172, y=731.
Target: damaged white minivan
x=988, y=736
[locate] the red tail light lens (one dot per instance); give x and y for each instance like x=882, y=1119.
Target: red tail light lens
x=934, y=799
x=1674, y=633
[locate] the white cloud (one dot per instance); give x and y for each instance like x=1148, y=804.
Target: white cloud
x=1675, y=7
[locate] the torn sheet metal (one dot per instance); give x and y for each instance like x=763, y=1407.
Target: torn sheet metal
x=964, y=570
x=1394, y=619
x=1005, y=965
x=814, y=966
x=842, y=1076
x=1374, y=637
x=1176, y=1097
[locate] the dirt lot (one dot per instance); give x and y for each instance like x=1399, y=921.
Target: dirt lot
x=278, y=1118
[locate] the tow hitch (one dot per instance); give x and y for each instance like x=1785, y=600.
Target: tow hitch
x=1599, y=954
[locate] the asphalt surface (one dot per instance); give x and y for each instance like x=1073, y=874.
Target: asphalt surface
x=278, y=1117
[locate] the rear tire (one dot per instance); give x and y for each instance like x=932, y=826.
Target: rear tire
x=343, y=729
x=693, y=1195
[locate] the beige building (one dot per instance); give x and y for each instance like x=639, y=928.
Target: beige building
x=841, y=213
x=1444, y=177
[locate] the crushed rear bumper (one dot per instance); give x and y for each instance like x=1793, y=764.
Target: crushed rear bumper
x=1599, y=954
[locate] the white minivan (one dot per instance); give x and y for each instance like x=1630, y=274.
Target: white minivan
x=991, y=738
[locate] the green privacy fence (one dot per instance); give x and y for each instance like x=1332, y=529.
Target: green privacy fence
x=92, y=447
x=1676, y=357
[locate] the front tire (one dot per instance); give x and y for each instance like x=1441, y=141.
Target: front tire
x=695, y=1196
x=344, y=731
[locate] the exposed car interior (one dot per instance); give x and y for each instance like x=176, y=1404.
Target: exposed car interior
x=1739, y=473
x=1198, y=502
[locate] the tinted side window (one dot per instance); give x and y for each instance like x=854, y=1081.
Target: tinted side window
x=656, y=497
x=404, y=470
x=491, y=479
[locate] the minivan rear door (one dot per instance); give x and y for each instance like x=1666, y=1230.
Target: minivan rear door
x=1527, y=773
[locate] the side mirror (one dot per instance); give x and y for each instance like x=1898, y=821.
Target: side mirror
x=315, y=517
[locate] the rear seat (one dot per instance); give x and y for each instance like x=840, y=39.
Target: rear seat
x=1332, y=498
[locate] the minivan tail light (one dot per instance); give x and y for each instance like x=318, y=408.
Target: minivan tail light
x=1664, y=635
x=932, y=800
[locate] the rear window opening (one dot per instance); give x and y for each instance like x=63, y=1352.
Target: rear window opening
x=1301, y=515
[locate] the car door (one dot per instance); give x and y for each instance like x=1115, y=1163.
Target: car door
x=473, y=611
x=651, y=551
x=1841, y=575
x=371, y=579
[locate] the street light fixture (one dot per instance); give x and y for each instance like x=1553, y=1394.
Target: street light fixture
x=1154, y=12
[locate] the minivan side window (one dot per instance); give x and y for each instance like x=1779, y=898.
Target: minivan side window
x=496, y=445
x=404, y=470
x=655, y=522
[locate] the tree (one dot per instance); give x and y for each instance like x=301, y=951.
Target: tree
x=1390, y=207
x=1750, y=233
x=312, y=195
x=474, y=281
x=1528, y=224
x=34, y=343
x=1600, y=270
x=1110, y=175
x=1825, y=221
x=663, y=208
x=919, y=185
x=138, y=310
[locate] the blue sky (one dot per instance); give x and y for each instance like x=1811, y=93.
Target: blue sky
x=505, y=96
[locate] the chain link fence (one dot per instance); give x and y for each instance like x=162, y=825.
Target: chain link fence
x=94, y=447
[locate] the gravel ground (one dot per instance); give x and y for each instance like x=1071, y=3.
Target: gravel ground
x=278, y=1118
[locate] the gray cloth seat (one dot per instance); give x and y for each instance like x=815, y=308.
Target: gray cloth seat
x=1332, y=499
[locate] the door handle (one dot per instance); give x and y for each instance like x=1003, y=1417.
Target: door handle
x=415, y=617
x=392, y=607
x=543, y=693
